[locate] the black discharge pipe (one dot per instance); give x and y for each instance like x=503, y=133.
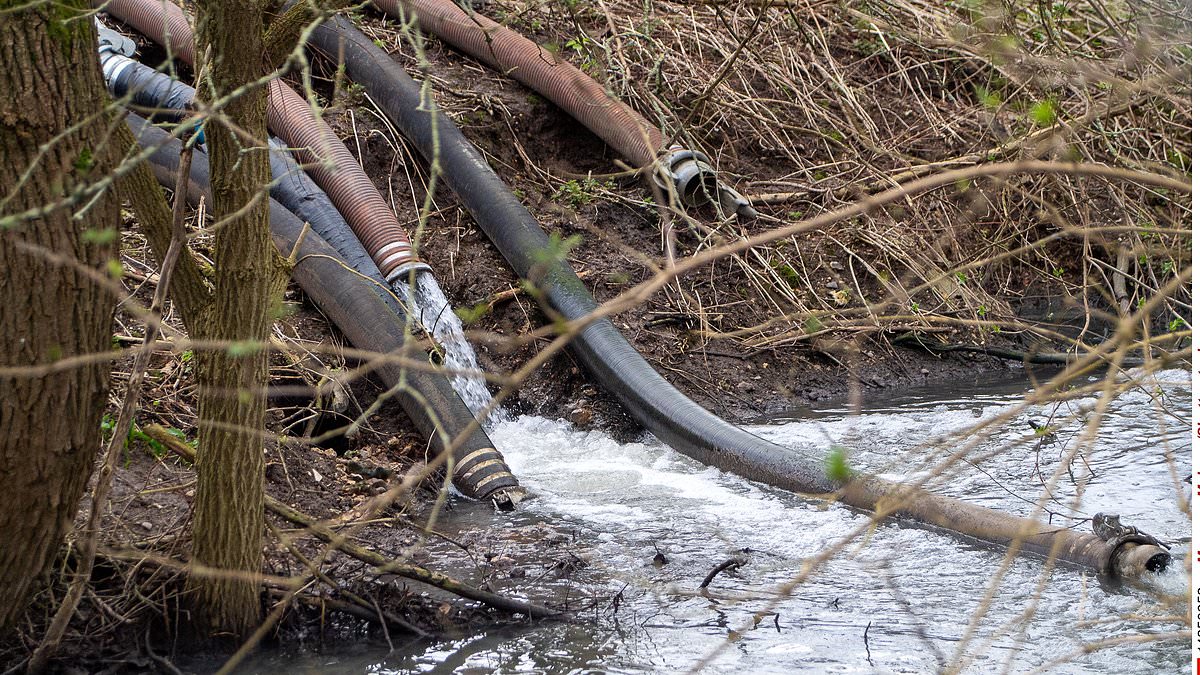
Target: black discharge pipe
x=661, y=408
x=144, y=86
x=370, y=324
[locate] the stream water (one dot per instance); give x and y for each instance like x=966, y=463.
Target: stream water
x=898, y=599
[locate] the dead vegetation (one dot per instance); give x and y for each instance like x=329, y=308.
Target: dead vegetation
x=811, y=105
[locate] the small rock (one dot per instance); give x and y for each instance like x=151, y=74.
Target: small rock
x=835, y=265
x=745, y=386
x=833, y=285
x=924, y=371
x=317, y=476
x=378, y=486
x=147, y=525
x=364, y=471
x=393, y=442
x=580, y=417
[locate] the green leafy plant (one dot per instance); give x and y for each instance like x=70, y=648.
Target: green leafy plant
x=581, y=192
x=837, y=465
x=988, y=98
x=470, y=315
x=108, y=425
x=1044, y=113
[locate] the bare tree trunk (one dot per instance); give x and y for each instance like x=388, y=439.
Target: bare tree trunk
x=49, y=307
x=228, y=524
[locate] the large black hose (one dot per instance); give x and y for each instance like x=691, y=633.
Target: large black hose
x=670, y=415
x=144, y=86
x=370, y=324
x=661, y=408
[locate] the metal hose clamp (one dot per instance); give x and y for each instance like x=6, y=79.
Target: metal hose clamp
x=690, y=176
x=400, y=273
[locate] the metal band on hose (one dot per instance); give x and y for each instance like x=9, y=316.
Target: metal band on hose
x=483, y=472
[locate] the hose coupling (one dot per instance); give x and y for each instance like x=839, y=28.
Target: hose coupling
x=690, y=176
x=399, y=271
x=483, y=474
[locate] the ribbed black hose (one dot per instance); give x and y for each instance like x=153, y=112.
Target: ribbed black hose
x=145, y=87
x=670, y=415
x=290, y=186
x=659, y=406
x=363, y=317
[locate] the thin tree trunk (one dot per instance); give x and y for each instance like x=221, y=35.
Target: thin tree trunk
x=228, y=524
x=50, y=308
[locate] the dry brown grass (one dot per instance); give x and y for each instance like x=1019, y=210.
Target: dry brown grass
x=808, y=105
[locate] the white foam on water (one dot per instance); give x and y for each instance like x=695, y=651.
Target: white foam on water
x=630, y=499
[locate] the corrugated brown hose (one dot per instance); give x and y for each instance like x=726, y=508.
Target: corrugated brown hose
x=688, y=174
x=292, y=119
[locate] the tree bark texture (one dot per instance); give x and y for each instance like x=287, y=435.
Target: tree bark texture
x=249, y=280
x=49, y=307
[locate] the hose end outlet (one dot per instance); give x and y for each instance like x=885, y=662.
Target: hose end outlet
x=483, y=474
x=1130, y=551
x=507, y=499
x=690, y=176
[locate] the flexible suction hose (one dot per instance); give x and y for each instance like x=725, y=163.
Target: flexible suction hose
x=620, y=126
x=370, y=324
x=690, y=172
x=290, y=117
x=671, y=416
x=144, y=86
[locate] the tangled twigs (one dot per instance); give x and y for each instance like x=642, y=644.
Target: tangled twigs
x=415, y=572
x=112, y=453
x=381, y=563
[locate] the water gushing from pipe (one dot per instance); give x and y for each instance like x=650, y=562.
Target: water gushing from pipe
x=428, y=304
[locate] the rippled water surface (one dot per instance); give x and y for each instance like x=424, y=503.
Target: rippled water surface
x=899, y=599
